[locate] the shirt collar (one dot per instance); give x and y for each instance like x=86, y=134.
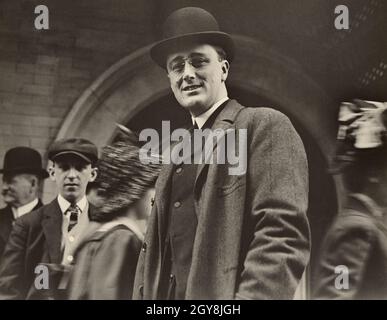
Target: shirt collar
x=64, y=204
x=18, y=212
x=200, y=120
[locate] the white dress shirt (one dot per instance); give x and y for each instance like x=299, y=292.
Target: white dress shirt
x=201, y=119
x=68, y=238
x=18, y=212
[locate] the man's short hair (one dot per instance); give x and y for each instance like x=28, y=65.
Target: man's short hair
x=221, y=53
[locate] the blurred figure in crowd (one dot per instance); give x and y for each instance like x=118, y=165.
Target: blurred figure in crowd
x=44, y=236
x=106, y=256
x=22, y=175
x=353, y=264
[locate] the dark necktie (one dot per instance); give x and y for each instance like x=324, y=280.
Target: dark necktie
x=73, y=210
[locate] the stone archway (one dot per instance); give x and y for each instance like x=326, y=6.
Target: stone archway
x=135, y=82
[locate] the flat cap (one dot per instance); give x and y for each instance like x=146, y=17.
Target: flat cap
x=80, y=147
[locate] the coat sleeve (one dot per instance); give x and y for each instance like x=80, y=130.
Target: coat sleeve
x=108, y=272
x=277, y=198
x=12, y=282
x=2, y=246
x=344, y=257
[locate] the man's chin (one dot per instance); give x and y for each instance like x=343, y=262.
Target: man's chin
x=194, y=106
x=70, y=196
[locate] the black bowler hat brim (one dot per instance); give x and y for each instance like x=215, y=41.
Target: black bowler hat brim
x=163, y=48
x=39, y=172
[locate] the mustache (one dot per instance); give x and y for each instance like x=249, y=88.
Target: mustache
x=5, y=192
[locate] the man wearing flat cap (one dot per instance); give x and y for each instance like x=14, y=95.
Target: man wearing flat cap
x=45, y=236
x=213, y=235
x=22, y=175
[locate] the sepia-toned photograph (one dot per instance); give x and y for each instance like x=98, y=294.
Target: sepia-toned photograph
x=166, y=150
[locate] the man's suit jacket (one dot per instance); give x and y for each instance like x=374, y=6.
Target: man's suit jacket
x=6, y=221
x=252, y=236
x=35, y=238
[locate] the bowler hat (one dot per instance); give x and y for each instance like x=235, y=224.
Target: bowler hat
x=23, y=160
x=190, y=25
x=79, y=147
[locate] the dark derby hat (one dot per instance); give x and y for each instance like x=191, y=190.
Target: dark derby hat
x=187, y=26
x=79, y=147
x=23, y=160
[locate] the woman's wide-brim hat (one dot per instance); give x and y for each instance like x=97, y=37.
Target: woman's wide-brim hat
x=189, y=26
x=20, y=160
x=123, y=178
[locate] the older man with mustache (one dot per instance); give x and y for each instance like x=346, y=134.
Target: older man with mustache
x=22, y=175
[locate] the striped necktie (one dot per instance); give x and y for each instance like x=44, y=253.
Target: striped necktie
x=73, y=210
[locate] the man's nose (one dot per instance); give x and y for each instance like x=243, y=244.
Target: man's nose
x=189, y=72
x=72, y=173
x=5, y=186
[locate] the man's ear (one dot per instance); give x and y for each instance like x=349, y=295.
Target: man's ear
x=34, y=181
x=51, y=172
x=225, y=69
x=94, y=174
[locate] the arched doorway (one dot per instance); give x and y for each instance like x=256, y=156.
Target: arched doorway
x=134, y=91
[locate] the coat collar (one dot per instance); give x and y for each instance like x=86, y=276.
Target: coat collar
x=93, y=227
x=363, y=203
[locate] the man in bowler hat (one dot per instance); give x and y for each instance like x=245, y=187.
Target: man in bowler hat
x=22, y=175
x=213, y=235
x=44, y=237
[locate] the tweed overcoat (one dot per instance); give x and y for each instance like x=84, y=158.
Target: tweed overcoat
x=252, y=235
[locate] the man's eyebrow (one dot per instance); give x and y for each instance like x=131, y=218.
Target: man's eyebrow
x=196, y=54
x=191, y=55
x=175, y=59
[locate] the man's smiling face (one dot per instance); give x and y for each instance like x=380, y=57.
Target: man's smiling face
x=197, y=76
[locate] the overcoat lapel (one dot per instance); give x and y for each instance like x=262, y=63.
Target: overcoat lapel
x=52, y=229
x=224, y=121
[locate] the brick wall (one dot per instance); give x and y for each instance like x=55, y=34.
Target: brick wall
x=43, y=72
